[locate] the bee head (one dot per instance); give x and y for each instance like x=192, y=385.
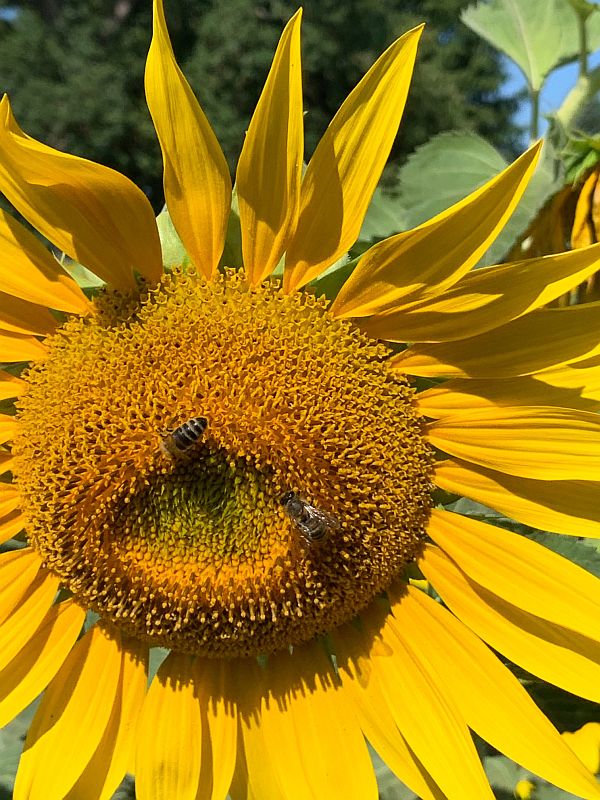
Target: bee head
x=286, y=498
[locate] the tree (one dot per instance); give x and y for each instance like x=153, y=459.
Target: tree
x=74, y=71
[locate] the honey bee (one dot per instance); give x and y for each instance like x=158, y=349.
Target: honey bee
x=181, y=439
x=313, y=524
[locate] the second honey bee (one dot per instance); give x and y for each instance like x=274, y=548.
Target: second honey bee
x=178, y=441
x=313, y=524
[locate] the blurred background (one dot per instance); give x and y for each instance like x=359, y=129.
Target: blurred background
x=74, y=71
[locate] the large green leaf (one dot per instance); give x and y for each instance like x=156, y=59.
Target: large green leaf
x=385, y=217
x=450, y=166
x=537, y=35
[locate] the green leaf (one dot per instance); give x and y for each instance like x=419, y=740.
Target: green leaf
x=443, y=171
x=232, y=254
x=86, y=280
x=580, y=153
x=174, y=253
x=385, y=217
x=538, y=35
x=451, y=165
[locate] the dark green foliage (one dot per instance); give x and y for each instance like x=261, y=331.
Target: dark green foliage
x=74, y=70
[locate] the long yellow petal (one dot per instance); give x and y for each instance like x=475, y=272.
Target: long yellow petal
x=487, y=298
x=220, y=721
x=11, y=524
x=71, y=719
x=10, y=498
x=538, y=442
x=362, y=688
x=555, y=654
x=10, y=386
x=18, y=347
x=109, y=763
x=27, y=616
x=7, y=462
x=169, y=746
x=543, y=339
x=493, y=701
x=38, y=662
x=510, y=565
x=196, y=177
x=255, y=776
x=8, y=428
x=18, y=572
x=92, y=213
x=568, y=507
x=565, y=387
x=304, y=725
x=347, y=164
x=270, y=165
x=29, y=271
x=424, y=262
x=20, y=316
x=426, y=713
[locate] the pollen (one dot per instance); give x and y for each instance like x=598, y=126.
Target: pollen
x=191, y=547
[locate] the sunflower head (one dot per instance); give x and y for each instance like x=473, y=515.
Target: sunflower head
x=190, y=546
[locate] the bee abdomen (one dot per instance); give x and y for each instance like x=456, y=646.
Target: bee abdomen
x=186, y=435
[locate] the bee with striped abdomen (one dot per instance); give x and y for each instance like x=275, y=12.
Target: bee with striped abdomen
x=313, y=524
x=178, y=441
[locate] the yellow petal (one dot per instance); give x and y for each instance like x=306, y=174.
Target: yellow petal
x=18, y=571
x=10, y=386
x=8, y=428
x=10, y=525
x=546, y=338
x=109, y=763
x=347, y=164
x=19, y=316
x=555, y=654
x=270, y=165
x=513, y=566
x=10, y=498
x=568, y=507
x=169, y=743
x=585, y=743
x=18, y=347
x=29, y=271
x=538, y=442
x=583, y=232
x=255, y=776
x=374, y=717
x=486, y=299
x=423, y=263
x=219, y=718
x=40, y=659
x=566, y=387
x=71, y=719
x=196, y=176
x=95, y=215
x=7, y=462
x=306, y=725
x=426, y=713
x=27, y=615
x=493, y=701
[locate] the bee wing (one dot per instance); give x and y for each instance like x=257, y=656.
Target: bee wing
x=327, y=519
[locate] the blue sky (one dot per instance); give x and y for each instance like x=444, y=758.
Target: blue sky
x=554, y=90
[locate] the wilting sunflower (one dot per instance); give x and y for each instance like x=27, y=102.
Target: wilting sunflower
x=229, y=466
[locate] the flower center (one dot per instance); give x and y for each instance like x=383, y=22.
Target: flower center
x=221, y=470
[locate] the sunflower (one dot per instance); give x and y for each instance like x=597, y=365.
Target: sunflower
x=223, y=463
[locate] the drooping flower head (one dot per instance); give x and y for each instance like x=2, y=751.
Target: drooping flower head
x=217, y=460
